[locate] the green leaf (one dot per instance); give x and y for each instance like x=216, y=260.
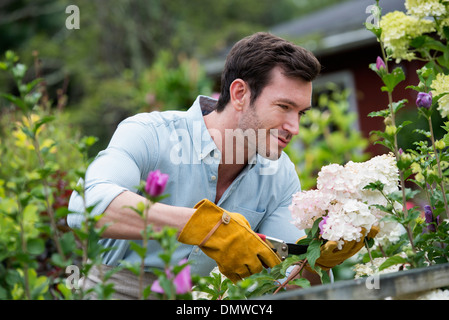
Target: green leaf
x=423, y=132
x=35, y=246
x=313, y=231
x=146, y=292
x=313, y=252
x=141, y=251
x=67, y=242
x=446, y=32
x=391, y=261
x=302, y=282
x=374, y=186
x=374, y=29
x=392, y=79
x=133, y=267
x=30, y=85
x=59, y=261
x=399, y=105
x=41, y=122
x=16, y=101
x=427, y=43
x=382, y=113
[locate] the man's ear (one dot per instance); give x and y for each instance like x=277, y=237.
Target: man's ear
x=239, y=92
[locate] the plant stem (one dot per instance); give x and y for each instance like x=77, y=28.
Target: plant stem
x=51, y=214
x=144, y=244
x=369, y=251
x=295, y=271
x=24, y=249
x=396, y=154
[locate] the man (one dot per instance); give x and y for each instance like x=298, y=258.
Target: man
x=228, y=175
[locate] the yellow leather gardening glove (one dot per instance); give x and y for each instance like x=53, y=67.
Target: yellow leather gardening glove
x=227, y=238
x=331, y=256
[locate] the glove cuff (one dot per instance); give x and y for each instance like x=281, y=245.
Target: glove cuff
x=195, y=235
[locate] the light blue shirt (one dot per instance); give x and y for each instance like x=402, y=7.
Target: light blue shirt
x=179, y=144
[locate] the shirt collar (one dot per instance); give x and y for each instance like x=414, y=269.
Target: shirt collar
x=201, y=138
x=203, y=143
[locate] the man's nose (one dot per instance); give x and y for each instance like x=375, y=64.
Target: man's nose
x=292, y=125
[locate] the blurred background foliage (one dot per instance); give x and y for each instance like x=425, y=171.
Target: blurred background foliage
x=131, y=56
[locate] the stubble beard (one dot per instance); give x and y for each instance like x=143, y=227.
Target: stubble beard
x=262, y=142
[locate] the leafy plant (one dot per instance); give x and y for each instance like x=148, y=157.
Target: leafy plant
x=42, y=157
x=426, y=239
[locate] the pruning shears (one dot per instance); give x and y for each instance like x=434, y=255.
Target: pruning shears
x=283, y=249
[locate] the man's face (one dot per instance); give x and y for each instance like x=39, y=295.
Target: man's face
x=276, y=113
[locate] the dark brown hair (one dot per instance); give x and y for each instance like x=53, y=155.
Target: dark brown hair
x=252, y=59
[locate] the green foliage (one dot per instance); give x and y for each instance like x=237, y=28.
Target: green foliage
x=169, y=83
x=424, y=166
x=107, y=68
x=173, y=84
x=42, y=158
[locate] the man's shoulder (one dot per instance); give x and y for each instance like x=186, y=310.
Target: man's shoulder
x=155, y=118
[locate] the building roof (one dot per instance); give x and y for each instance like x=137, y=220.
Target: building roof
x=330, y=30
x=336, y=27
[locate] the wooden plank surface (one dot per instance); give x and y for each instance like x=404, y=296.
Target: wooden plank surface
x=403, y=284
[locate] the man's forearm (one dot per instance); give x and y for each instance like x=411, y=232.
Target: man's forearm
x=124, y=223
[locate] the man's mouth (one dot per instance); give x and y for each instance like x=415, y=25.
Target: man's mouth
x=283, y=141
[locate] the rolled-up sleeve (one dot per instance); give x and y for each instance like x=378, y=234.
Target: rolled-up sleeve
x=120, y=167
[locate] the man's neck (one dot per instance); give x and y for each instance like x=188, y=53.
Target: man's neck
x=223, y=130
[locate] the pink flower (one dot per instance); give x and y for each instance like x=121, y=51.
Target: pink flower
x=182, y=281
x=156, y=287
x=380, y=63
x=322, y=223
x=156, y=183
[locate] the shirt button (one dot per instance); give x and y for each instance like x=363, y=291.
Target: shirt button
x=213, y=178
x=216, y=155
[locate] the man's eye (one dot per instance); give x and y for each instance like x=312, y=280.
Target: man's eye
x=283, y=106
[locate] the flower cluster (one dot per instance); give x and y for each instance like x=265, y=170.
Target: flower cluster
x=347, y=208
x=397, y=31
x=372, y=267
x=440, y=85
x=425, y=8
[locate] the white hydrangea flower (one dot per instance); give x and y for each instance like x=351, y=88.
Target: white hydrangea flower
x=339, y=228
x=308, y=206
x=341, y=198
x=389, y=232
